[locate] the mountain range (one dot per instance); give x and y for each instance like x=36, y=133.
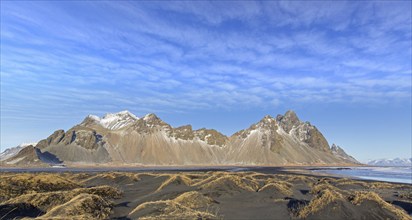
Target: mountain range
x=123, y=138
x=391, y=162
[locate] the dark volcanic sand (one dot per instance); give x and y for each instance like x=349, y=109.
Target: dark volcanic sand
x=173, y=194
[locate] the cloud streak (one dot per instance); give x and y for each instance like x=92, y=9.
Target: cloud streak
x=91, y=57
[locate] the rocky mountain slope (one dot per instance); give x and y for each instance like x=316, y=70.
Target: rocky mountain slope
x=10, y=152
x=124, y=138
x=339, y=152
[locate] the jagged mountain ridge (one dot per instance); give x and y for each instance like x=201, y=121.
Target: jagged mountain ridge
x=125, y=138
x=339, y=152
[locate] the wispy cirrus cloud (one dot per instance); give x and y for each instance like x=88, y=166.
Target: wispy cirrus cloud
x=91, y=57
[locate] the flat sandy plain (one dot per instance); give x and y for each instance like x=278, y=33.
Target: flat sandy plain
x=198, y=194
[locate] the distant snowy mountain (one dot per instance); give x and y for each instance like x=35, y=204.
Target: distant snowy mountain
x=391, y=162
x=10, y=152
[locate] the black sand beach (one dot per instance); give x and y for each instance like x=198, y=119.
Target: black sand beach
x=198, y=194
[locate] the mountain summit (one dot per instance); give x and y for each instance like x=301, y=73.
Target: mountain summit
x=123, y=138
x=112, y=121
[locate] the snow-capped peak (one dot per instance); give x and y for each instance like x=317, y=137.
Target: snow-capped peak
x=114, y=121
x=124, y=113
x=27, y=144
x=149, y=117
x=94, y=117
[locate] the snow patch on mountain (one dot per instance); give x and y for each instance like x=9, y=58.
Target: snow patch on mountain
x=115, y=121
x=391, y=162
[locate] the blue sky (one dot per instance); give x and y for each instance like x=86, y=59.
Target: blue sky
x=343, y=66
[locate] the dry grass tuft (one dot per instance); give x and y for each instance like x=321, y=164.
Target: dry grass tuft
x=46, y=201
x=168, y=209
x=280, y=186
x=324, y=198
x=207, y=179
x=43, y=201
x=23, y=183
x=345, y=181
x=82, y=206
x=232, y=182
x=294, y=178
x=360, y=197
x=318, y=188
x=107, y=192
x=76, y=176
x=406, y=195
x=114, y=175
x=175, y=179
x=259, y=176
x=194, y=200
x=382, y=185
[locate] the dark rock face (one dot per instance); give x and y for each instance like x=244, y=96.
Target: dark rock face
x=183, y=132
x=150, y=124
x=88, y=121
x=317, y=140
x=303, y=130
x=87, y=139
x=339, y=152
x=84, y=137
x=288, y=121
x=267, y=123
x=55, y=138
x=211, y=136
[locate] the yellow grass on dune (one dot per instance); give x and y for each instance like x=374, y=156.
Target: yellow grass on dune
x=361, y=196
x=114, y=175
x=345, y=181
x=169, y=209
x=209, y=177
x=324, y=198
x=278, y=186
x=260, y=176
x=232, y=182
x=18, y=184
x=175, y=179
x=383, y=185
x=76, y=176
x=316, y=189
x=372, y=185
x=294, y=178
x=104, y=191
x=82, y=206
x=184, y=206
x=47, y=200
x=194, y=200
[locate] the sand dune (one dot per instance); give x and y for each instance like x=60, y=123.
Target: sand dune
x=198, y=195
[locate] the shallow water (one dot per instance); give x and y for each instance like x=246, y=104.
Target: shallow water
x=389, y=174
